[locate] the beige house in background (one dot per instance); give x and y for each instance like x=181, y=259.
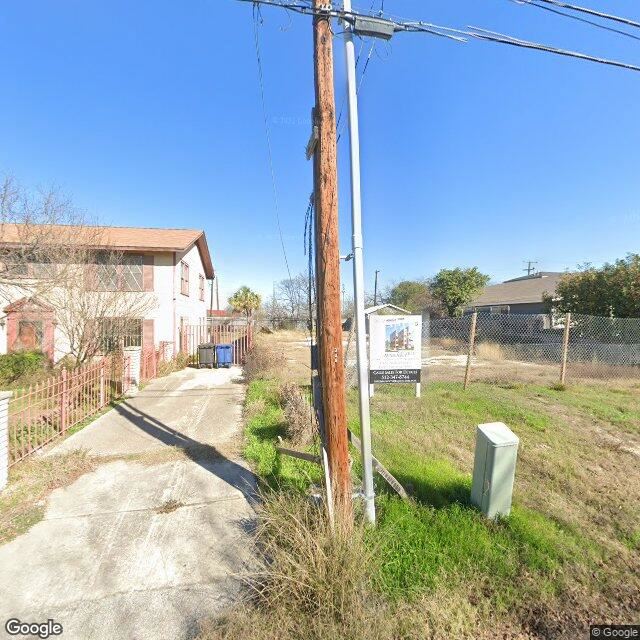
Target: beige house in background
x=167, y=269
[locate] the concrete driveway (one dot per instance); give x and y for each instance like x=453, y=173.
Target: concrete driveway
x=146, y=545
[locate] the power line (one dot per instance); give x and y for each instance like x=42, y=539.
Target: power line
x=351, y=16
x=593, y=12
x=459, y=35
x=534, y=3
x=492, y=36
x=256, y=33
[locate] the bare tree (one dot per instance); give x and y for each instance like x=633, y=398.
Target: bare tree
x=273, y=311
x=50, y=254
x=291, y=298
x=292, y=294
x=39, y=236
x=102, y=306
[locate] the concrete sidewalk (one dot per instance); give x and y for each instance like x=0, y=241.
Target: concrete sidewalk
x=139, y=550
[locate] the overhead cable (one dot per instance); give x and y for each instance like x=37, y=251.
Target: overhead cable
x=593, y=23
x=274, y=186
x=593, y=12
x=459, y=35
x=492, y=36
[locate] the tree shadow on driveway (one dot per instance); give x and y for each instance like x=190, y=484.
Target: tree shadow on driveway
x=205, y=455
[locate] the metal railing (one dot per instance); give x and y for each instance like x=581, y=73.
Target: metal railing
x=238, y=333
x=151, y=359
x=46, y=410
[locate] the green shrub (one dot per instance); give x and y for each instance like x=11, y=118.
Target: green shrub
x=22, y=363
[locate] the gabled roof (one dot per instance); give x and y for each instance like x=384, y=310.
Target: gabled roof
x=519, y=290
x=28, y=304
x=118, y=238
x=380, y=307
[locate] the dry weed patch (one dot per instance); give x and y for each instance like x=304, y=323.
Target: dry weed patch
x=489, y=351
x=320, y=584
x=298, y=414
x=22, y=502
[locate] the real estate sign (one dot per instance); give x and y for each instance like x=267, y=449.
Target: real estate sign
x=395, y=349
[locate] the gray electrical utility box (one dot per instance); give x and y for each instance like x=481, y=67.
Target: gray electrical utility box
x=494, y=469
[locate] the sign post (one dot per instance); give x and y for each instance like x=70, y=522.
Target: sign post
x=395, y=350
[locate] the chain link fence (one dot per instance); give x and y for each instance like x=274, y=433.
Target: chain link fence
x=531, y=348
x=523, y=349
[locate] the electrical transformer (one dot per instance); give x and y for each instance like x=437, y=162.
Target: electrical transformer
x=494, y=469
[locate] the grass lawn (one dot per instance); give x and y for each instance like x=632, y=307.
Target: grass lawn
x=568, y=553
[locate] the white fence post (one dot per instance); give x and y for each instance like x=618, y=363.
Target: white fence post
x=134, y=354
x=4, y=437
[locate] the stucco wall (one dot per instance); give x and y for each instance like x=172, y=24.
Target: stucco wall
x=190, y=308
x=163, y=315
x=166, y=307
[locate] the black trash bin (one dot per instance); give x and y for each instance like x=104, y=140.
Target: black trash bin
x=206, y=355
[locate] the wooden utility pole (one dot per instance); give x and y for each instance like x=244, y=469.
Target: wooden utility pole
x=330, y=350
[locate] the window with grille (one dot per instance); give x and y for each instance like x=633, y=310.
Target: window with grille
x=184, y=278
x=117, y=333
x=43, y=269
x=119, y=273
x=132, y=279
x=27, y=264
x=201, y=283
x=106, y=273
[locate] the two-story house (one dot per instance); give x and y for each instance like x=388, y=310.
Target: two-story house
x=165, y=269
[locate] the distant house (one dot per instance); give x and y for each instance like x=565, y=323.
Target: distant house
x=385, y=309
x=517, y=296
x=170, y=267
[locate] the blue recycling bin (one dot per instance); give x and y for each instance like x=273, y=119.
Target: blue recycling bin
x=224, y=355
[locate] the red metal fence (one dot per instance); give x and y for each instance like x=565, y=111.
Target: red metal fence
x=150, y=360
x=238, y=333
x=48, y=409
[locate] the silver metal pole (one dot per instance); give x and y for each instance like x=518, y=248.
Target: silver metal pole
x=358, y=274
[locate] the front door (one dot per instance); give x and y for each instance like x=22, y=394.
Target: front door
x=30, y=335
x=30, y=327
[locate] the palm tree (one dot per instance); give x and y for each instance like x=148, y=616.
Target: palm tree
x=245, y=300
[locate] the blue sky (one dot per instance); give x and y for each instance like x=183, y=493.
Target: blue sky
x=149, y=114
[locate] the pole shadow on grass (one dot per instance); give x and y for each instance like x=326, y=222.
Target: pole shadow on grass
x=437, y=492
x=205, y=455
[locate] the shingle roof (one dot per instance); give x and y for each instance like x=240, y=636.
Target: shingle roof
x=519, y=290
x=121, y=238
